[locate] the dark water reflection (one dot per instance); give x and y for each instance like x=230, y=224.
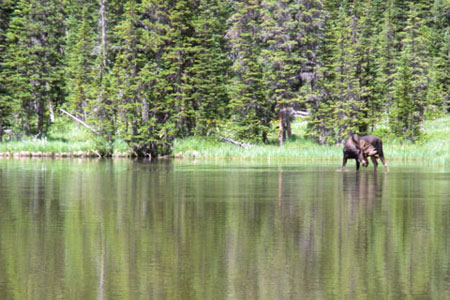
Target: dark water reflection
x=121, y=229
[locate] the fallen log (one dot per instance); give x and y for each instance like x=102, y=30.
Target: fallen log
x=299, y=113
x=79, y=121
x=236, y=143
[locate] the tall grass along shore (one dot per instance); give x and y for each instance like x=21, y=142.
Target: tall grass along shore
x=434, y=149
x=76, y=142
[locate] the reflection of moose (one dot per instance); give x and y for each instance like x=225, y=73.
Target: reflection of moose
x=360, y=148
x=362, y=186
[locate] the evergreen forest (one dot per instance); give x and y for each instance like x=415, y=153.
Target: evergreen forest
x=148, y=72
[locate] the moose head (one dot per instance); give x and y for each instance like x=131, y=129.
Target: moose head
x=366, y=150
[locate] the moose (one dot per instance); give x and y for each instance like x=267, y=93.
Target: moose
x=360, y=148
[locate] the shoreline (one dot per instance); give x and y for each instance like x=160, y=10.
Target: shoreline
x=23, y=155
x=432, y=150
x=76, y=154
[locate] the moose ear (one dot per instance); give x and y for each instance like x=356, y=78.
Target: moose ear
x=355, y=138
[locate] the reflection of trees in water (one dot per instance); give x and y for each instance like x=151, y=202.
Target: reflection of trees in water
x=366, y=240
x=233, y=232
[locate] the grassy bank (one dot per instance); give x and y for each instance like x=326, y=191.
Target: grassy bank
x=65, y=139
x=434, y=149
x=73, y=141
x=56, y=148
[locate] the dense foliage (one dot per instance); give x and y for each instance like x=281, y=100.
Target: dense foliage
x=150, y=71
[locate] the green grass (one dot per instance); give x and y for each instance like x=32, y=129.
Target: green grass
x=63, y=137
x=46, y=146
x=435, y=147
x=433, y=150
x=68, y=137
x=207, y=148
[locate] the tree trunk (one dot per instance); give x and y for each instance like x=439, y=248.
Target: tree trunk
x=103, y=45
x=289, y=129
x=285, y=125
x=40, y=118
x=281, y=132
x=145, y=112
x=51, y=112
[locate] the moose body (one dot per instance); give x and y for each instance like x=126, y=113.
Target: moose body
x=360, y=148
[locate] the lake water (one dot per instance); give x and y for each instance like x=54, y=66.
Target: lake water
x=122, y=229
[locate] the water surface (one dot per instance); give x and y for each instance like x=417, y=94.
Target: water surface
x=122, y=229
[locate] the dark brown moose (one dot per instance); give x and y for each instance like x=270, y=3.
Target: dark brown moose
x=360, y=148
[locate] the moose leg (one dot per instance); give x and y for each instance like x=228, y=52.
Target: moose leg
x=357, y=165
x=375, y=163
x=344, y=162
x=383, y=160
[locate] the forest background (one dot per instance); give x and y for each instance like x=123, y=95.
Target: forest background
x=149, y=72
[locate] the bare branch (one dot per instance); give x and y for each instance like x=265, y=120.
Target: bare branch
x=236, y=143
x=79, y=121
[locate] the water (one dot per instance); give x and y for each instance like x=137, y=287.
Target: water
x=81, y=229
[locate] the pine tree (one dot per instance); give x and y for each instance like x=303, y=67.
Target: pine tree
x=436, y=105
x=208, y=72
x=320, y=104
x=178, y=57
x=151, y=74
x=250, y=107
x=132, y=108
x=79, y=56
x=153, y=71
x=411, y=81
x=6, y=11
x=404, y=119
x=385, y=62
x=289, y=30
x=32, y=64
x=437, y=36
x=368, y=27
x=340, y=108
x=101, y=108
x=137, y=79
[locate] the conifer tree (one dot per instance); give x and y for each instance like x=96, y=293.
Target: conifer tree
x=101, y=107
x=79, y=56
x=32, y=64
x=250, y=107
x=152, y=71
x=321, y=120
x=341, y=108
x=404, y=120
x=368, y=26
x=150, y=74
x=137, y=78
x=385, y=61
x=438, y=45
x=208, y=73
x=132, y=108
x=171, y=112
x=179, y=59
x=6, y=10
x=410, y=83
x=289, y=31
